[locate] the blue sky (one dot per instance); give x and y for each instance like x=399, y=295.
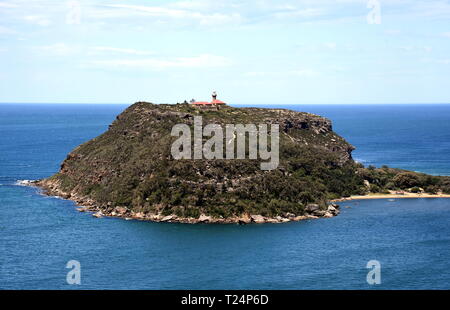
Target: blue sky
x=256, y=51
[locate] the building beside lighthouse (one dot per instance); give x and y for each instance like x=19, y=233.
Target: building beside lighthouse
x=214, y=101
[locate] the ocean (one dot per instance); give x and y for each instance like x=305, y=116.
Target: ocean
x=39, y=235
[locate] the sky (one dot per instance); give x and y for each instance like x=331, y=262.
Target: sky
x=250, y=52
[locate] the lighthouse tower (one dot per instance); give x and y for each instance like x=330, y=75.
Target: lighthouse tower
x=215, y=101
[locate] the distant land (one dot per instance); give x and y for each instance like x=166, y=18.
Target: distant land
x=129, y=172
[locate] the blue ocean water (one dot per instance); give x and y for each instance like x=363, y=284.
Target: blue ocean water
x=39, y=235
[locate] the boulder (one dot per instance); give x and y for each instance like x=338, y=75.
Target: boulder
x=167, y=218
x=312, y=207
x=333, y=210
x=204, y=218
x=271, y=220
x=244, y=219
x=328, y=214
x=258, y=219
x=335, y=205
x=121, y=210
x=191, y=220
x=289, y=215
x=155, y=217
x=98, y=214
x=139, y=215
x=319, y=213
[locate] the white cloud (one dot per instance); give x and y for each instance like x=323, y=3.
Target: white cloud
x=116, y=50
x=256, y=74
x=193, y=5
x=446, y=34
x=126, y=10
x=304, y=73
x=302, y=13
x=215, y=13
x=201, y=61
x=59, y=49
x=7, y=5
x=63, y=49
x=331, y=45
x=38, y=20
x=280, y=74
x=437, y=8
x=410, y=48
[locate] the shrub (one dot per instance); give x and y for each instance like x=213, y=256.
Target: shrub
x=446, y=189
x=431, y=189
x=405, y=180
x=416, y=190
x=390, y=185
x=374, y=188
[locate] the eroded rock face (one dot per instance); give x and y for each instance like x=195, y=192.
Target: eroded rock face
x=244, y=219
x=258, y=219
x=204, y=219
x=128, y=171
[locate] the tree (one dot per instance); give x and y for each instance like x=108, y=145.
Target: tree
x=405, y=180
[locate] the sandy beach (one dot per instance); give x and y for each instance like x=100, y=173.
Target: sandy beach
x=392, y=196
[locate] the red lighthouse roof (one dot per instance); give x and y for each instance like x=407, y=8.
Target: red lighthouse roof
x=214, y=101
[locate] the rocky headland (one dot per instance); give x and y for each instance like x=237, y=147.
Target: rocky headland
x=129, y=171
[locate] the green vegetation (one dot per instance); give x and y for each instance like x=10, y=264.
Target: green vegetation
x=130, y=165
x=385, y=179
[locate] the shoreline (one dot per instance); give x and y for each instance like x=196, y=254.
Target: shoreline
x=405, y=195
x=83, y=204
